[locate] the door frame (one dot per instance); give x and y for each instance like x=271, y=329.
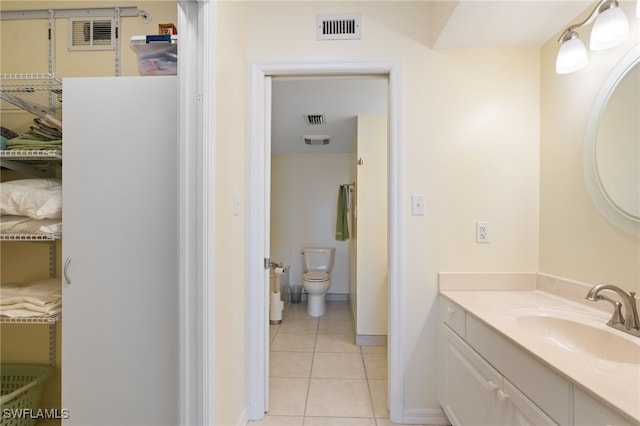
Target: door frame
x=196, y=293
x=258, y=156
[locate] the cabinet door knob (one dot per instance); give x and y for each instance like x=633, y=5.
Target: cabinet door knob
x=451, y=311
x=65, y=270
x=502, y=396
x=491, y=386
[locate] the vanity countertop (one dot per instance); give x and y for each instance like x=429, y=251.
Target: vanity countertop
x=617, y=383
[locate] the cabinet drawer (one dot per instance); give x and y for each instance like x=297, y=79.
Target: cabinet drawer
x=588, y=411
x=454, y=316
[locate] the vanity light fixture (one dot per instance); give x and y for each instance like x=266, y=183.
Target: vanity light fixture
x=610, y=29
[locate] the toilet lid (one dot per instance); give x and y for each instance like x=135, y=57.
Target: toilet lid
x=316, y=276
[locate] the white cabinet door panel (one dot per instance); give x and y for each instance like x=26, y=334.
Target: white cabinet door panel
x=471, y=385
x=520, y=410
x=119, y=326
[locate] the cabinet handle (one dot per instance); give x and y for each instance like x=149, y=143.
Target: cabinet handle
x=491, y=386
x=451, y=311
x=502, y=396
x=65, y=270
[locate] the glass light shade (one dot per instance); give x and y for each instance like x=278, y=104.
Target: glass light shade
x=572, y=56
x=610, y=29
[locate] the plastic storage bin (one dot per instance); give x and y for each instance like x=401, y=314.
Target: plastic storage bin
x=20, y=391
x=157, y=54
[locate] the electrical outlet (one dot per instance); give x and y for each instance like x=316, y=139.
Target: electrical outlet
x=482, y=232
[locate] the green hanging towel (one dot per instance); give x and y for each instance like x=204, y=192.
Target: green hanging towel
x=342, y=223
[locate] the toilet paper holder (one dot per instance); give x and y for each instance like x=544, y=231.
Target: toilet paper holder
x=274, y=265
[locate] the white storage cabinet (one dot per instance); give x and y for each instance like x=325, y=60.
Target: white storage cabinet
x=120, y=292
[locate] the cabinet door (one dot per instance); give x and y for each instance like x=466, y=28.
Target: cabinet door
x=520, y=410
x=471, y=385
x=119, y=327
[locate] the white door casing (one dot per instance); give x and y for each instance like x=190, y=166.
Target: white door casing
x=259, y=159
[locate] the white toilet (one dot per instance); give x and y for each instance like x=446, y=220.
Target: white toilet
x=317, y=264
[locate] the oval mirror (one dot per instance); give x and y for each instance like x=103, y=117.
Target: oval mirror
x=612, y=146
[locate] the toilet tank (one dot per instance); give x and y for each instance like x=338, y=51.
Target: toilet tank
x=318, y=258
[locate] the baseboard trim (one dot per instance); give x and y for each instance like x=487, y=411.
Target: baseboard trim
x=243, y=421
x=371, y=340
x=428, y=416
x=337, y=297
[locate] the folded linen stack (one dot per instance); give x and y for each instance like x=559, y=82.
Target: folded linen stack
x=31, y=206
x=46, y=133
x=37, y=299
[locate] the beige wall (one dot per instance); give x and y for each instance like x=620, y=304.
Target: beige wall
x=470, y=132
x=576, y=241
x=230, y=171
x=371, y=227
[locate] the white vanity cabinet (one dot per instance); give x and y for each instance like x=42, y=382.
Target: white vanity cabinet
x=487, y=379
x=475, y=386
x=475, y=393
x=471, y=384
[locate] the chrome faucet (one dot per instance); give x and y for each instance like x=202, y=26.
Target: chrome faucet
x=629, y=323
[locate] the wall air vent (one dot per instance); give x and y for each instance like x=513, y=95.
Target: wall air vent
x=316, y=140
x=338, y=27
x=314, y=119
x=91, y=34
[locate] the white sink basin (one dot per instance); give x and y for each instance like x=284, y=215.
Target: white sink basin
x=581, y=338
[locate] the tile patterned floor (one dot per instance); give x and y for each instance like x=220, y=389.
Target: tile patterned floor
x=319, y=377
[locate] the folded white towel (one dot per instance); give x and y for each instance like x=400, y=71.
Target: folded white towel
x=32, y=307
x=11, y=224
x=38, y=293
x=31, y=310
x=27, y=313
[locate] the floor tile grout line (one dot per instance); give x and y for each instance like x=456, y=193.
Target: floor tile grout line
x=306, y=399
x=362, y=357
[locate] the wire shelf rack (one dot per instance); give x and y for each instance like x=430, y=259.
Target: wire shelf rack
x=38, y=93
x=30, y=237
x=30, y=320
x=31, y=154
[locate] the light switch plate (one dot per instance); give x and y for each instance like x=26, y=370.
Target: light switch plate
x=236, y=204
x=417, y=205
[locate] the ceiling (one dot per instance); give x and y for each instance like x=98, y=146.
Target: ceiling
x=501, y=23
x=465, y=24
x=339, y=99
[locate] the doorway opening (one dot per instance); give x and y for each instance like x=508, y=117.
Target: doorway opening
x=258, y=226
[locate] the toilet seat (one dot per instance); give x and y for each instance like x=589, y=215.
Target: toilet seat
x=316, y=276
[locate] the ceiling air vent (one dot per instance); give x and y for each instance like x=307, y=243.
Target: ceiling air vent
x=314, y=119
x=317, y=139
x=338, y=27
x=91, y=34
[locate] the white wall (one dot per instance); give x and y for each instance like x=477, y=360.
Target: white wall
x=304, y=196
